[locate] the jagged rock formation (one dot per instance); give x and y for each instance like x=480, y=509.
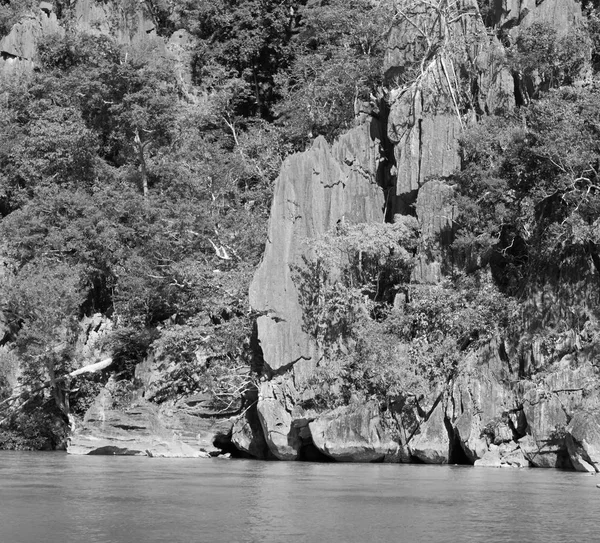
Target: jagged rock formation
x=496, y=412
x=357, y=434
x=314, y=191
x=435, y=48
x=116, y=19
x=504, y=409
x=129, y=422
x=561, y=14
x=18, y=50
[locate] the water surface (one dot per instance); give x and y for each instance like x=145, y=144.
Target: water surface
x=56, y=498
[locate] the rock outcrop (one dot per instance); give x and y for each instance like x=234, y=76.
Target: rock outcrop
x=428, y=113
x=583, y=440
x=137, y=431
x=561, y=14
x=125, y=22
x=357, y=434
x=431, y=444
x=315, y=190
x=436, y=215
x=505, y=409
x=126, y=424
x=18, y=50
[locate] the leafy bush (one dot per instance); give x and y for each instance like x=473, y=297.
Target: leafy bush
x=338, y=60
x=413, y=347
x=349, y=272
x=37, y=426
x=528, y=194
x=549, y=60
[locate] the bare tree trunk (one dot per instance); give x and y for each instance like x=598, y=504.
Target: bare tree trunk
x=54, y=381
x=259, y=102
x=140, y=148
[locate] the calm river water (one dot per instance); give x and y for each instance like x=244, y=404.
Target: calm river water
x=55, y=498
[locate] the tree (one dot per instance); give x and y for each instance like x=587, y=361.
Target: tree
x=250, y=38
x=542, y=59
x=381, y=336
x=529, y=194
x=338, y=60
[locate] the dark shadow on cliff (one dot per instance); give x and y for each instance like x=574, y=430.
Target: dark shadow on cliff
x=385, y=175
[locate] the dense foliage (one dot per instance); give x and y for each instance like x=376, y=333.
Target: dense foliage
x=530, y=187
x=527, y=196
x=380, y=335
x=130, y=190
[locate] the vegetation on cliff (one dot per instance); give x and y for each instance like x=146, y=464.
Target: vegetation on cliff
x=131, y=189
x=128, y=191
x=527, y=210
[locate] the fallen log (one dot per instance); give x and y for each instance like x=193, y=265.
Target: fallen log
x=90, y=368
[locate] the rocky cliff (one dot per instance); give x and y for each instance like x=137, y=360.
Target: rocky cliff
x=510, y=405
x=18, y=50
x=494, y=413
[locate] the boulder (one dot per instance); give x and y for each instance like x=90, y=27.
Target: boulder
x=275, y=415
x=176, y=449
x=505, y=456
x=356, y=434
x=247, y=435
x=583, y=440
x=550, y=453
x=204, y=432
x=482, y=406
x=548, y=406
x=432, y=444
x=136, y=431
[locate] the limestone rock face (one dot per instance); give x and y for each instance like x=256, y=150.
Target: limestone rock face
x=562, y=14
x=275, y=412
x=22, y=40
x=426, y=115
x=505, y=456
x=248, y=437
x=583, y=440
x=137, y=431
x=114, y=19
x=426, y=142
x=548, y=408
x=192, y=427
x=436, y=214
x=480, y=399
x=89, y=343
x=432, y=444
x=18, y=50
x=356, y=434
x=200, y=429
x=180, y=45
x=315, y=190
